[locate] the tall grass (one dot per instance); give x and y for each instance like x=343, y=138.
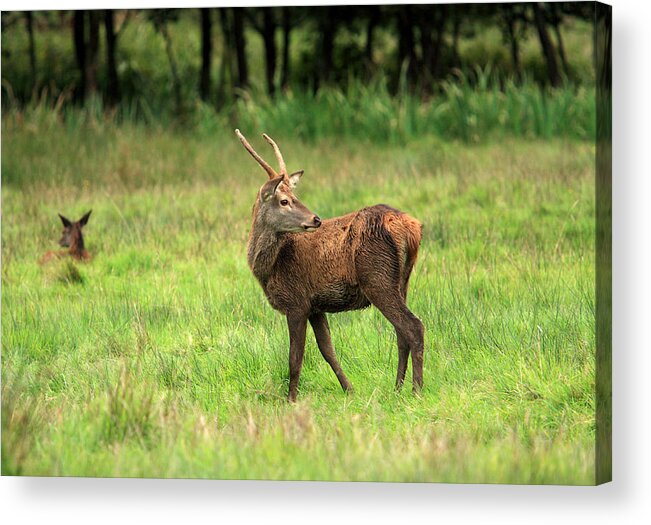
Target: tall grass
x=163, y=357
x=463, y=110
x=471, y=112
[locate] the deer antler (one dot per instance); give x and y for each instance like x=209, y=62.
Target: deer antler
x=279, y=156
x=270, y=171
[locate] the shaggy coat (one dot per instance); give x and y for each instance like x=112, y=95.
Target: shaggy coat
x=308, y=268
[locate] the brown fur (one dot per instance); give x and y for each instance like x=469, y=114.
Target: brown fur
x=73, y=239
x=308, y=268
x=312, y=271
x=82, y=256
x=349, y=263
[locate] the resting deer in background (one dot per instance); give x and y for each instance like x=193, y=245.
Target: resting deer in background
x=308, y=267
x=72, y=238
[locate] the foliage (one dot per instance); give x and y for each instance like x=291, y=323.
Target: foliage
x=147, y=38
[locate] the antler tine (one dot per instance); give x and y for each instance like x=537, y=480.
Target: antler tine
x=270, y=171
x=279, y=156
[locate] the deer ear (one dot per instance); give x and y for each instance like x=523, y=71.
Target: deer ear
x=277, y=184
x=270, y=188
x=66, y=222
x=295, y=178
x=84, y=220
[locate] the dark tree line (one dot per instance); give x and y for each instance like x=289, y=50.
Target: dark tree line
x=86, y=35
x=427, y=44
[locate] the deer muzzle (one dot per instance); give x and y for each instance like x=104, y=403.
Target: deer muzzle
x=312, y=225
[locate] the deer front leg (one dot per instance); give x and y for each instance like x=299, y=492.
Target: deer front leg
x=296, y=325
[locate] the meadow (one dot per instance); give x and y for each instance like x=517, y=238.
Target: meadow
x=162, y=358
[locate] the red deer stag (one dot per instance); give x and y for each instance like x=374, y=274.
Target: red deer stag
x=72, y=238
x=345, y=263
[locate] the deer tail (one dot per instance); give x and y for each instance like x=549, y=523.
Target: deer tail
x=407, y=233
x=414, y=233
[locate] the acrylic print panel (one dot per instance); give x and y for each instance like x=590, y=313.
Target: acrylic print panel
x=428, y=301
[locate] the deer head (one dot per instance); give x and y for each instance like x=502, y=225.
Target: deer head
x=72, y=236
x=276, y=207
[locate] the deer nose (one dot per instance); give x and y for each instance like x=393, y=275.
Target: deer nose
x=316, y=221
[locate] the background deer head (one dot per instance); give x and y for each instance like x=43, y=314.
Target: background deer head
x=71, y=236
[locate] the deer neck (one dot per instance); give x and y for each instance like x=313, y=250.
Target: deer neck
x=76, y=249
x=263, y=249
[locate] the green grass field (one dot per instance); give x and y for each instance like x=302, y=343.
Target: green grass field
x=162, y=358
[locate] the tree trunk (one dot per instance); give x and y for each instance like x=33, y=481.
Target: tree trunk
x=113, y=83
x=547, y=45
x=561, y=49
x=510, y=22
x=427, y=55
x=327, y=28
x=240, y=49
x=438, y=45
x=176, y=80
x=456, y=29
x=91, y=56
x=287, y=28
x=269, y=37
x=206, y=53
x=406, y=47
x=226, y=66
x=373, y=19
x=29, y=22
x=431, y=47
x=80, y=53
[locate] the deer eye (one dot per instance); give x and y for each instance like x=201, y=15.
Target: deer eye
x=284, y=202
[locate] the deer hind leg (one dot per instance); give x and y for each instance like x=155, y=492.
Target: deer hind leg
x=409, y=330
x=296, y=325
x=403, y=357
x=321, y=330
x=403, y=344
